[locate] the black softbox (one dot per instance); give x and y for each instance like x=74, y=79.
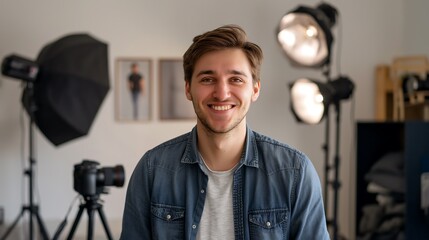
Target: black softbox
x=71, y=84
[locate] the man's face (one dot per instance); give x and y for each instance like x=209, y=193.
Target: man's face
x=222, y=89
x=135, y=69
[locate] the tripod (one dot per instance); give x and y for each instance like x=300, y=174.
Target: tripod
x=90, y=204
x=32, y=208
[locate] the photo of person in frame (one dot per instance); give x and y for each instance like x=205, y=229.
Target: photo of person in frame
x=136, y=84
x=133, y=89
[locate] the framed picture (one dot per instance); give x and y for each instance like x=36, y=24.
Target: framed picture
x=173, y=102
x=133, y=89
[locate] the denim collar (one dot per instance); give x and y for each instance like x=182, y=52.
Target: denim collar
x=249, y=157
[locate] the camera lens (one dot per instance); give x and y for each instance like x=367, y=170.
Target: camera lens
x=111, y=176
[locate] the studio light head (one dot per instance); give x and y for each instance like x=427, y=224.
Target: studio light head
x=310, y=99
x=66, y=85
x=20, y=68
x=305, y=35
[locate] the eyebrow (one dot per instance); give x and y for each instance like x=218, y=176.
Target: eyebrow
x=211, y=72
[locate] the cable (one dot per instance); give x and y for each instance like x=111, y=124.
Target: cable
x=64, y=222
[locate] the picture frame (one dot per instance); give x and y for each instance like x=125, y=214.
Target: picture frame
x=173, y=102
x=133, y=89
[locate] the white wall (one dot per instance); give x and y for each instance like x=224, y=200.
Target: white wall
x=415, y=27
x=372, y=33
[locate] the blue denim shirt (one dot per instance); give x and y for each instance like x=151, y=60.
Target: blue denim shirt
x=276, y=193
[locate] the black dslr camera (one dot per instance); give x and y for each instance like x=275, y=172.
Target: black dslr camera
x=90, y=181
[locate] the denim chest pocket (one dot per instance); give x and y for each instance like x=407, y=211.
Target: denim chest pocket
x=268, y=224
x=168, y=222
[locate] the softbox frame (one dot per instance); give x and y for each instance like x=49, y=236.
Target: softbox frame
x=72, y=82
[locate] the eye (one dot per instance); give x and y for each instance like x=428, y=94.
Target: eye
x=237, y=80
x=206, y=80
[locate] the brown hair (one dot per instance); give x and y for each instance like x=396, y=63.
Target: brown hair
x=228, y=36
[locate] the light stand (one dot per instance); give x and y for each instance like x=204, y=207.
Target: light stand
x=336, y=184
x=306, y=38
x=32, y=207
x=325, y=146
x=311, y=101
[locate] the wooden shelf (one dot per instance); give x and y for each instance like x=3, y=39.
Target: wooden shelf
x=391, y=104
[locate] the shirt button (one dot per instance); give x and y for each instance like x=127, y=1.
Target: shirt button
x=168, y=217
x=268, y=224
x=202, y=191
x=194, y=226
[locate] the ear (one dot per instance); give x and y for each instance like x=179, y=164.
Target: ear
x=256, y=90
x=188, y=90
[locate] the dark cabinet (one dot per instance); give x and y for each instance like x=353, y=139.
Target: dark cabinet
x=375, y=140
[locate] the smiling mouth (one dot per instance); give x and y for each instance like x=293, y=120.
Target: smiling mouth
x=221, y=108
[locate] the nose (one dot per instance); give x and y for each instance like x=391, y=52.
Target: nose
x=221, y=90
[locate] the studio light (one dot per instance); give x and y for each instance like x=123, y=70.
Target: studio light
x=305, y=35
x=64, y=88
x=20, y=68
x=310, y=99
x=66, y=85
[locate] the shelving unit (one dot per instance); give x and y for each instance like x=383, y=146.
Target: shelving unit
x=391, y=102
x=374, y=139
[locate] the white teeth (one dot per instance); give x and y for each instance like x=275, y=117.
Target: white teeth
x=222, y=108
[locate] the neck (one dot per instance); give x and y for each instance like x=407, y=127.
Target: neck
x=221, y=151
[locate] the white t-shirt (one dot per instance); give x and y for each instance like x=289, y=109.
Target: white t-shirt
x=217, y=220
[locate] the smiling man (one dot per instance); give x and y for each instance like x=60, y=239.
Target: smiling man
x=222, y=180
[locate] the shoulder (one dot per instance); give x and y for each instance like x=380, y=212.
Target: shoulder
x=171, y=145
x=165, y=157
x=170, y=154
x=275, y=154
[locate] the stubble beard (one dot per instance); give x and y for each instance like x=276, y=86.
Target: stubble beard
x=212, y=130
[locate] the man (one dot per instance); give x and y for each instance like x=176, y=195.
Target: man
x=136, y=86
x=222, y=180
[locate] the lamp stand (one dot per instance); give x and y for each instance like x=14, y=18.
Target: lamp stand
x=325, y=147
x=335, y=183
x=32, y=207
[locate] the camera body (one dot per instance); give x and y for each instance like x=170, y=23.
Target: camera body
x=91, y=181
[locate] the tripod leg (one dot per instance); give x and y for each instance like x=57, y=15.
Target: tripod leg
x=76, y=222
x=40, y=223
x=105, y=225
x=31, y=223
x=9, y=230
x=90, y=223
